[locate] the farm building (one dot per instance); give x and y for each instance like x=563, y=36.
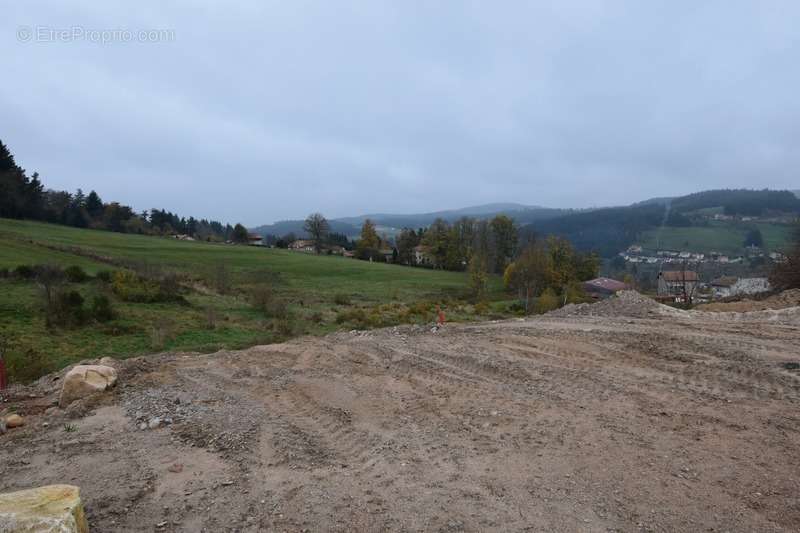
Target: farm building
x=256, y=240
x=677, y=283
x=603, y=287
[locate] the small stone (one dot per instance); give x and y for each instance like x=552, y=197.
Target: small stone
x=176, y=468
x=14, y=421
x=154, y=423
x=143, y=426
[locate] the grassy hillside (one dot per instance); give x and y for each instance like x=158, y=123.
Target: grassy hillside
x=323, y=293
x=722, y=237
x=685, y=225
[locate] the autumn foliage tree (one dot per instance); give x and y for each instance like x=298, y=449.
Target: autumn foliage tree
x=529, y=274
x=552, y=265
x=369, y=245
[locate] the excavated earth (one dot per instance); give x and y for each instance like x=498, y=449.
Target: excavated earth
x=639, y=418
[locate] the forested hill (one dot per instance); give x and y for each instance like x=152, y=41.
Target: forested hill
x=351, y=226
x=610, y=230
x=23, y=196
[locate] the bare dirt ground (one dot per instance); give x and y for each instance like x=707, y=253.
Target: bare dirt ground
x=781, y=300
x=642, y=419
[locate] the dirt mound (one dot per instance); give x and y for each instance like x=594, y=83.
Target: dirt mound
x=579, y=423
x=625, y=303
x=790, y=298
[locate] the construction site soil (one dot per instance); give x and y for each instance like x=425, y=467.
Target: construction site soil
x=620, y=416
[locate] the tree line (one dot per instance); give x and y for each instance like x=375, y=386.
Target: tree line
x=442, y=245
x=23, y=196
x=548, y=270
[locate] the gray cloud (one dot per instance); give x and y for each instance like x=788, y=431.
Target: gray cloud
x=269, y=110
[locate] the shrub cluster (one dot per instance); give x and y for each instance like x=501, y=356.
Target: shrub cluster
x=265, y=299
x=105, y=276
x=64, y=308
x=25, y=272
x=131, y=287
x=101, y=309
x=75, y=274
x=25, y=367
x=342, y=299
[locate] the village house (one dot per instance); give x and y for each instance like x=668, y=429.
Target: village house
x=723, y=287
x=335, y=249
x=421, y=256
x=600, y=288
x=255, y=240
x=302, y=245
x=731, y=286
x=677, y=283
x=388, y=254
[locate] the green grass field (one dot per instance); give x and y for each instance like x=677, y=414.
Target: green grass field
x=722, y=237
x=378, y=294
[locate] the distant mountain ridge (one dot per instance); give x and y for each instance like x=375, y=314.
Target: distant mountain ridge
x=351, y=226
x=609, y=230
x=447, y=214
x=606, y=230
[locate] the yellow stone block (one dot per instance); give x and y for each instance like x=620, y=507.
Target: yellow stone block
x=50, y=509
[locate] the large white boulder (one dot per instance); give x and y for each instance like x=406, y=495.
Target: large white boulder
x=49, y=509
x=84, y=380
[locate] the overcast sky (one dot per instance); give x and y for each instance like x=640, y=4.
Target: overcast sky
x=270, y=110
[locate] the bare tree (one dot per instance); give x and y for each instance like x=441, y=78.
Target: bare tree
x=690, y=281
x=317, y=227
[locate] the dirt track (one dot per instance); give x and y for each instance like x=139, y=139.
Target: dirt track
x=678, y=422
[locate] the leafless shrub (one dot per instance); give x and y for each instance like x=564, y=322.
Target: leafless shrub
x=211, y=318
x=222, y=278
x=160, y=333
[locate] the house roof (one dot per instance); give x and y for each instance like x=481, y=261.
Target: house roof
x=725, y=281
x=679, y=275
x=606, y=284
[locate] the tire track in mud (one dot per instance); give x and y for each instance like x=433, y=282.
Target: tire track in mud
x=334, y=428
x=706, y=374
